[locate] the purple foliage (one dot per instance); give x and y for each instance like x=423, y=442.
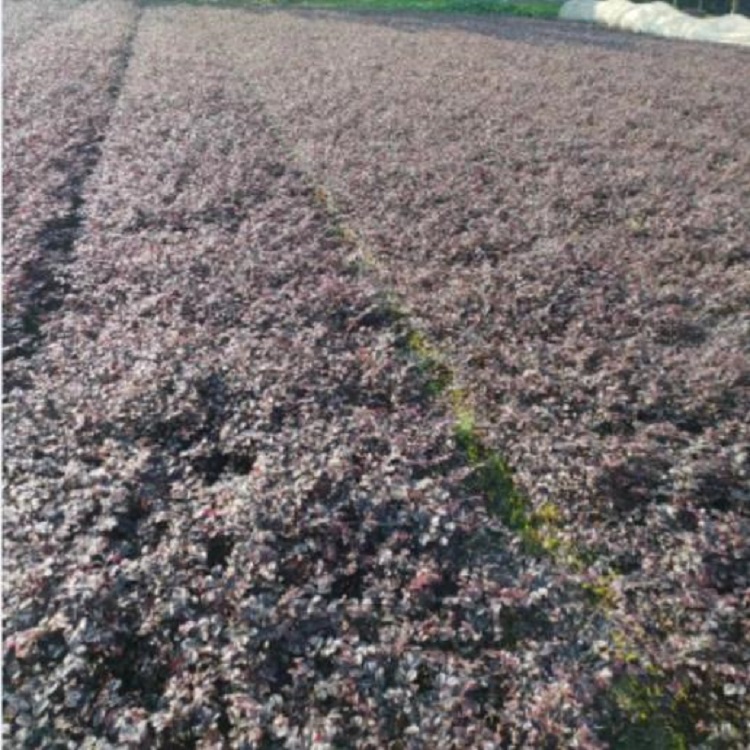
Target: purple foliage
x=232, y=516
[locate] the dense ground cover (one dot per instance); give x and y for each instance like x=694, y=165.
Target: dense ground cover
x=24, y=18
x=233, y=513
x=59, y=87
x=569, y=217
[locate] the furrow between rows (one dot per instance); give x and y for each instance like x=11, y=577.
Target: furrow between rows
x=60, y=89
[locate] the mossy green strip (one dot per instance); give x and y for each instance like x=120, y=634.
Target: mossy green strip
x=492, y=476
x=649, y=712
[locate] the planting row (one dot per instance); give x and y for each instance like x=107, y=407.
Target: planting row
x=59, y=89
x=232, y=515
x=23, y=19
x=568, y=218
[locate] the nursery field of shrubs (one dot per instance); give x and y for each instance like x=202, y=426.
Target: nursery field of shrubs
x=372, y=381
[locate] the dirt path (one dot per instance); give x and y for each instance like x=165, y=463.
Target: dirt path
x=234, y=516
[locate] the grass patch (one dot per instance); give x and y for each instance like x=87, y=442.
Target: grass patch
x=600, y=591
x=526, y=8
x=436, y=373
x=493, y=478
x=532, y=8
x=650, y=708
x=650, y=728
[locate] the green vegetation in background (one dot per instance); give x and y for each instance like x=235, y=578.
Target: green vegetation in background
x=528, y=8
x=531, y=8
